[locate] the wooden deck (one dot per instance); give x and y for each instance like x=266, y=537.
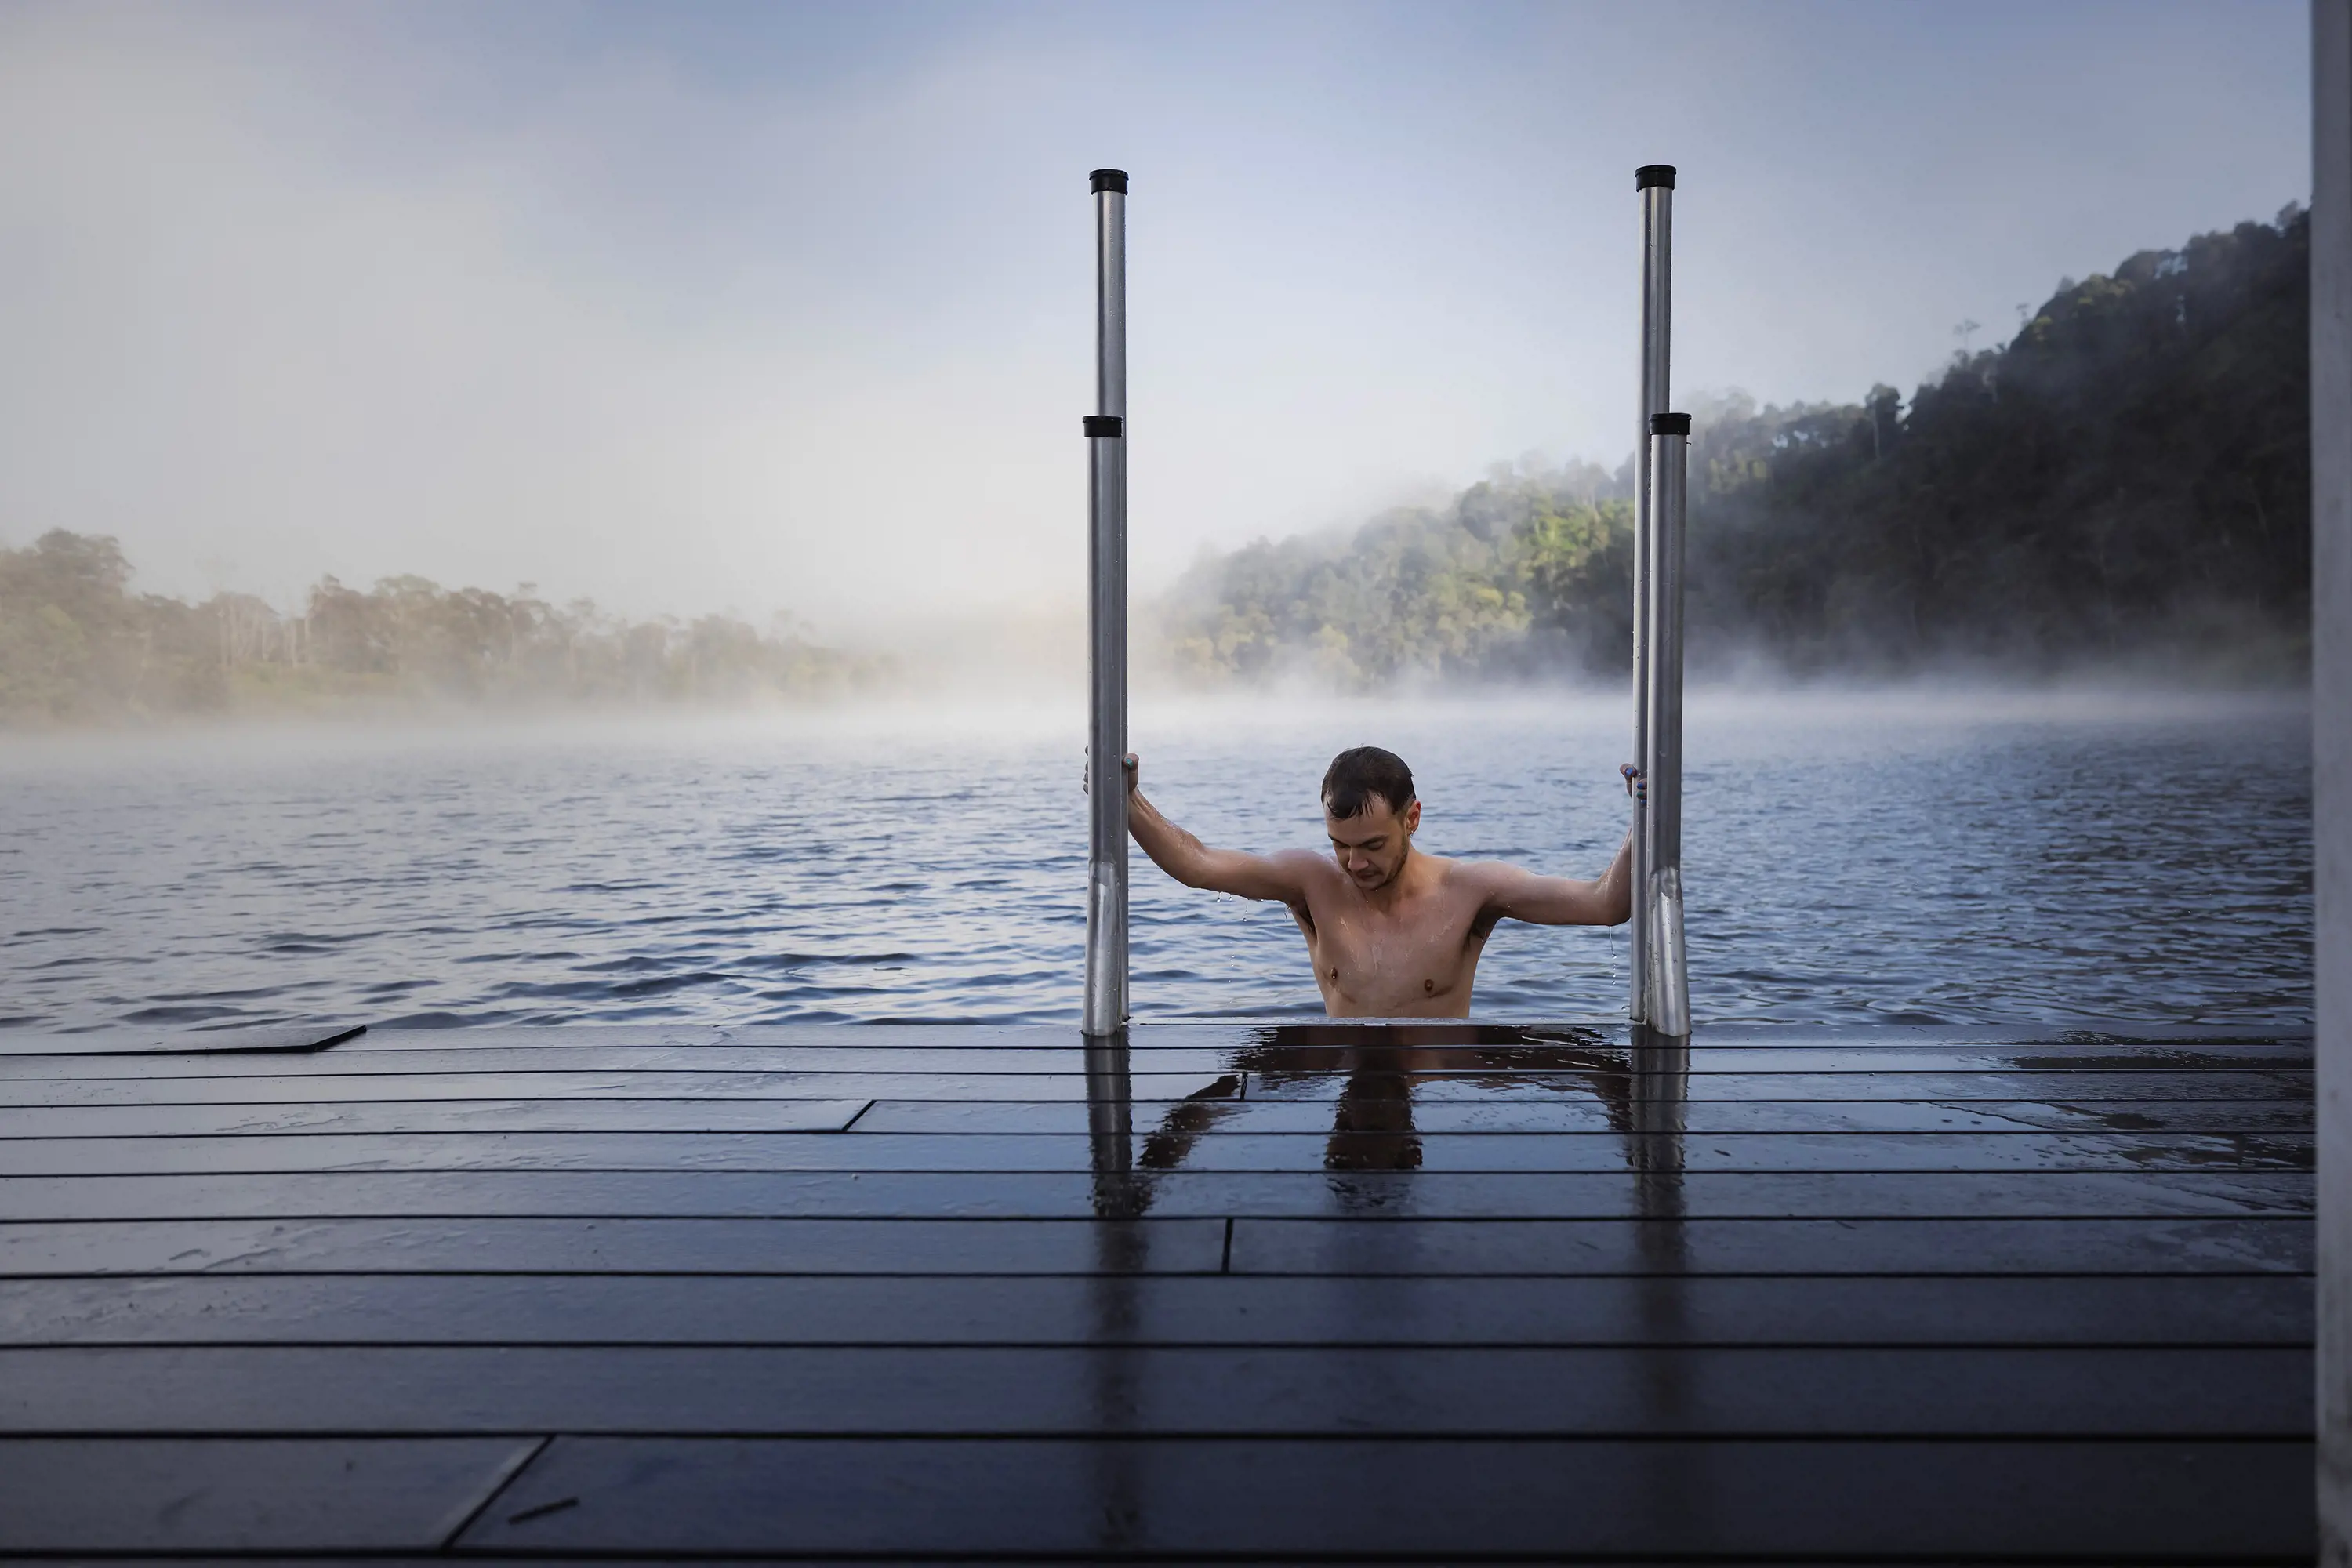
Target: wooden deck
x=1226, y=1293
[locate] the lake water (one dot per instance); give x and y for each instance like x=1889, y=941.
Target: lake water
x=1904, y=857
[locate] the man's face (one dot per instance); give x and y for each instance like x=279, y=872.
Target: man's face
x=1371, y=845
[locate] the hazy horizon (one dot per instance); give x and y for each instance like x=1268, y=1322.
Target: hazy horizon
x=786, y=308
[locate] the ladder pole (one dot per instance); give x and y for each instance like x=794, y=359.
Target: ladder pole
x=1105, y=1011
x=1668, y=1012
x=2331, y=744
x=1654, y=183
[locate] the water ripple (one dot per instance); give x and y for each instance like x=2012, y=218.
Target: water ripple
x=1908, y=861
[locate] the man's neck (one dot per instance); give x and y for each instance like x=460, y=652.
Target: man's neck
x=1398, y=886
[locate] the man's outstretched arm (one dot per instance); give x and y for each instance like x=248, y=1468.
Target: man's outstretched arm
x=1607, y=901
x=1280, y=877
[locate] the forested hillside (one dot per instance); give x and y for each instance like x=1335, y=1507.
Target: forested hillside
x=75, y=645
x=2129, y=476
x=1522, y=573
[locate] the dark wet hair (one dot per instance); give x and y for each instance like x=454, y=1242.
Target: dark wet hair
x=1356, y=776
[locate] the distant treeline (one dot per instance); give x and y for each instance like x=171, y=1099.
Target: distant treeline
x=76, y=645
x=2129, y=478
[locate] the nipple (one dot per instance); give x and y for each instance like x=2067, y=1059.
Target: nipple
x=1429, y=987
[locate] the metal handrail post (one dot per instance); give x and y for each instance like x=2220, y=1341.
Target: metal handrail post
x=1105, y=1011
x=1669, y=974
x=2331, y=746
x=1654, y=183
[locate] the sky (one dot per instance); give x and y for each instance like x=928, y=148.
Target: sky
x=778, y=308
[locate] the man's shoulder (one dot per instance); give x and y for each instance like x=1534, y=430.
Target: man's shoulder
x=1452, y=879
x=1310, y=871
x=1304, y=860
x=1475, y=873
x=1482, y=880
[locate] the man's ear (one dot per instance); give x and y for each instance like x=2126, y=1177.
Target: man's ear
x=1412, y=819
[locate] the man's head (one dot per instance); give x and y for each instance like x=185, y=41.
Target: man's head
x=1369, y=811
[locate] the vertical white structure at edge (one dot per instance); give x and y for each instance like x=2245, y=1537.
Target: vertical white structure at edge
x=1105, y=1011
x=2331, y=744
x=1666, y=976
x=1654, y=183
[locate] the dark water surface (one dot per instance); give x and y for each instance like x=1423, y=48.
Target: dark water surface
x=1906, y=857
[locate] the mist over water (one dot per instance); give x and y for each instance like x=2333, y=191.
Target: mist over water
x=1906, y=855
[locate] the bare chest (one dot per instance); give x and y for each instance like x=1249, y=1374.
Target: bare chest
x=1395, y=963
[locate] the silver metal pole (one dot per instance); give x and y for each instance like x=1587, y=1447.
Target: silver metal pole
x=1106, y=998
x=1654, y=183
x=1669, y=981
x=2331, y=745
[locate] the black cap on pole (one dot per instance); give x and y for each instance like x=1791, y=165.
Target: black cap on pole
x=1669, y=424
x=1645, y=176
x=1116, y=180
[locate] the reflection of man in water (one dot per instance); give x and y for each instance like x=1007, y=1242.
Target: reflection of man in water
x=1393, y=934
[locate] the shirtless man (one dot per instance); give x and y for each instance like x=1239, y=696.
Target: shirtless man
x=1394, y=934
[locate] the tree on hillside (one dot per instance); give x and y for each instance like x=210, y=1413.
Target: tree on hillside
x=76, y=644
x=2130, y=474
x=2134, y=467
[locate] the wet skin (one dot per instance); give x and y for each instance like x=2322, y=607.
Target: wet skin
x=1394, y=934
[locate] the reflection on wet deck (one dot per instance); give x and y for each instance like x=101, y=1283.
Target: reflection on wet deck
x=1431, y=1291
x=1640, y=1089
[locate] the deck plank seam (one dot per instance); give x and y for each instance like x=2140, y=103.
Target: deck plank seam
x=1027, y=1435
x=1094, y=1346
x=499, y=1485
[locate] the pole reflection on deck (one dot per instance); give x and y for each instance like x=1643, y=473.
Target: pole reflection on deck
x=1658, y=1106
x=1122, y=1245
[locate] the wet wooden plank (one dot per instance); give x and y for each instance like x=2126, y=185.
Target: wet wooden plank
x=397, y=1118
x=2241, y=1503
x=1165, y=1310
x=755, y=1247
x=150, y=1045
x=434, y=1148
x=1188, y=1118
x=2140, y=1392
x=1931, y=1248
x=598, y=1058
x=1323, y=1032
x=1804, y=1075
x=755, y=1037
x=1167, y=1193
x=2115, y=1083
x=747, y=1247
x=1434, y=1033
x=1438, y=1105
x=798, y=1561
x=28, y=1099
x=831, y=1053
x=1504, y=1097
x=2291, y=1115
x=253, y=1495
